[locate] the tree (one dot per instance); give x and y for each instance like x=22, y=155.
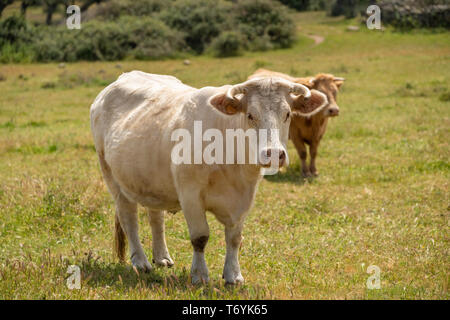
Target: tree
x=349, y=8
x=4, y=4
x=299, y=5
x=28, y=3
x=50, y=6
x=87, y=3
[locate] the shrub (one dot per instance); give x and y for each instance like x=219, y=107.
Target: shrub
x=349, y=8
x=115, y=8
x=145, y=38
x=299, y=5
x=228, y=44
x=164, y=28
x=15, y=53
x=266, y=24
x=15, y=38
x=408, y=14
x=152, y=39
x=320, y=5
x=14, y=30
x=199, y=20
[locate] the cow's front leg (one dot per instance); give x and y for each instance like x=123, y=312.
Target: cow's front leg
x=161, y=256
x=199, y=233
x=313, y=154
x=301, y=150
x=232, y=270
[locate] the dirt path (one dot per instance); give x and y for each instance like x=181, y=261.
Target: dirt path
x=317, y=39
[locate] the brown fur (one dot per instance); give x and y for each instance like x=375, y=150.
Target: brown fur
x=199, y=243
x=120, y=241
x=310, y=130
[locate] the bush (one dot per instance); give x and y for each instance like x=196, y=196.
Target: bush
x=320, y=5
x=299, y=5
x=145, y=38
x=199, y=20
x=15, y=39
x=266, y=24
x=164, y=29
x=228, y=44
x=349, y=8
x=15, y=30
x=115, y=8
x=408, y=14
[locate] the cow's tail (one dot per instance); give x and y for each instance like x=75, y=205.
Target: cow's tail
x=120, y=240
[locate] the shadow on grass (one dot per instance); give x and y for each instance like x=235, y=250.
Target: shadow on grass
x=167, y=282
x=292, y=174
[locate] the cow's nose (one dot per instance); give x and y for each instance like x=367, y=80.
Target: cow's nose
x=277, y=153
x=282, y=157
x=333, y=112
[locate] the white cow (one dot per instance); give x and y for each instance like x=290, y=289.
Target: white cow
x=132, y=121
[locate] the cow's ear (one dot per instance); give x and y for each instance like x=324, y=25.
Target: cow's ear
x=311, y=105
x=225, y=104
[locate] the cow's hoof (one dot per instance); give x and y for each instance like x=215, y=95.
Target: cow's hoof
x=163, y=262
x=306, y=174
x=199, y=278
x=141, y=263
x=234, y=280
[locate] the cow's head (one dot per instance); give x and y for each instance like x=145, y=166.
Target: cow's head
x=328, y=84
x=267, y=104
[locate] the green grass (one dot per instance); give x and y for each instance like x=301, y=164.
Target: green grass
x=382, y=197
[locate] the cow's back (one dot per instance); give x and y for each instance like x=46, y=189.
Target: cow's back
x=131, y=121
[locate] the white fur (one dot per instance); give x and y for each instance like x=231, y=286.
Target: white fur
x=132, y=121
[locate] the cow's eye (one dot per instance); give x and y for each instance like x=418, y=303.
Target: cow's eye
x=250, y=117
x=287, y=116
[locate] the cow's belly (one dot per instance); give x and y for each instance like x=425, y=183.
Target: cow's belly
x=140, y=164
x=153, y=201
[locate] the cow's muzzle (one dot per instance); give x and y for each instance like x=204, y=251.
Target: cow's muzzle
x=272, y=157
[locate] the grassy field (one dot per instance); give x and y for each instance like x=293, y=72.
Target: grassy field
x=382, y=197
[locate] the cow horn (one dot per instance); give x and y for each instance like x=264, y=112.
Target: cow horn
x=339, y=79
x=235, y=90
x=300, y=90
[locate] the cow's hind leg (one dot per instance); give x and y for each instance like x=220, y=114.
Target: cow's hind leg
x=232, y=271
x=126, y=212
x=126, y=220
x=161, y=256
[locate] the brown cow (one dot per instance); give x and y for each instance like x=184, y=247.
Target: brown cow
x=310, y=130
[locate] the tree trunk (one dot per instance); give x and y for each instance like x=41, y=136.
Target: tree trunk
x=23, y=8
x=49, y=17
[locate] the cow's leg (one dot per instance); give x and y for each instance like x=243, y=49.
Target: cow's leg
x=161, y=254
x=127, y=213
x=301, y=150
x=313, y=154
x=195, y=217
x=199, y=232
x=126, y=220
x=232, y=270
